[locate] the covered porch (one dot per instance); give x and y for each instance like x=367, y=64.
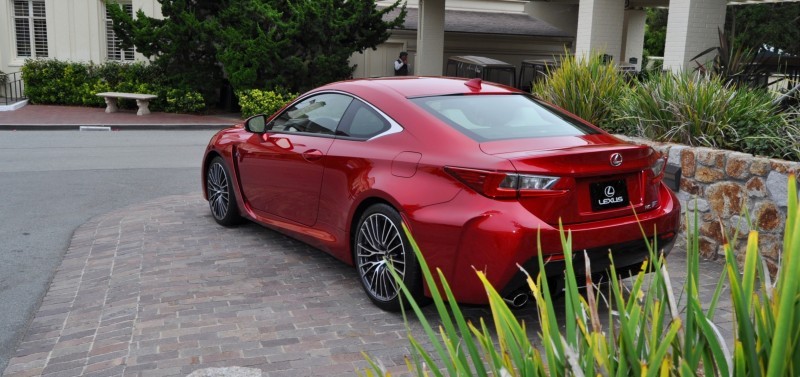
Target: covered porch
x=614, y=27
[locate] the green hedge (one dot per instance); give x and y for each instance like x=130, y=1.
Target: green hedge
x=56, y=82
x=255, y=101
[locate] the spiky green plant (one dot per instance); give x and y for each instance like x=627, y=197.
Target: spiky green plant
x=646, y=334
x=704, y=111
x=584, y=86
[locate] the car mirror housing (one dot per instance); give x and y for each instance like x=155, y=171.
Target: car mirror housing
x=256, y=123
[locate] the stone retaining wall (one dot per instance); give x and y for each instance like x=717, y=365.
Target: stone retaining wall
x=721, y=185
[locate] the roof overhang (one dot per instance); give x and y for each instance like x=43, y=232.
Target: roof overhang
x=461, y=21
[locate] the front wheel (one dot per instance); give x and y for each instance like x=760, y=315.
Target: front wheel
x=221, y=197
x=378, y=244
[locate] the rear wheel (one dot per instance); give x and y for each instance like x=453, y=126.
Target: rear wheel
x=378, y=244
x=221, y=198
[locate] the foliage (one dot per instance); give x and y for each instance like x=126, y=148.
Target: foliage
x=697, y=110
x=256, y=43
x=256, y=101
x=182, y=44
x=735, y=64
x=3, y=78
x=184, y=101
x=646, y=334
x=59, y=82
x=655, y=32
x=585, y=87
x=753, y=25
x=790, y=132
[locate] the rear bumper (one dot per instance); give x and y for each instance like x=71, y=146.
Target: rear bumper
x=474, y=233
x=626, y=257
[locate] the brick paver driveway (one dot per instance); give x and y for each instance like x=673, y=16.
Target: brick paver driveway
x=160, y=289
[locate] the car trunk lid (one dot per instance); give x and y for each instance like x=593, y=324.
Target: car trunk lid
x=600, y=177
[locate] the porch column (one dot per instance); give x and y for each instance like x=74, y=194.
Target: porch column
x=430, y=38
x=633, y=36
x=600, y=28
x=691, y=28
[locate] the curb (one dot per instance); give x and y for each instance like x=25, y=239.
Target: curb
x=114, y=127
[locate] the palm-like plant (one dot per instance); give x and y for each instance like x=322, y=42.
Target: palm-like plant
x=736, y=65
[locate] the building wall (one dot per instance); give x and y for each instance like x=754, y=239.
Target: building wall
x=562, y=16
x=76, y=30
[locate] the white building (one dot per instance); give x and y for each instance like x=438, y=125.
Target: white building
x=509, y=30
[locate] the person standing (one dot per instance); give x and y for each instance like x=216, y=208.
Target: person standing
x=401, y=65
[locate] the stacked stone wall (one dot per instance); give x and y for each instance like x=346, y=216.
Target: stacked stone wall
x=725, y=187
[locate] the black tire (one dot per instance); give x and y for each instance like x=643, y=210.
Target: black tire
x=221, y=197
x=379, y=238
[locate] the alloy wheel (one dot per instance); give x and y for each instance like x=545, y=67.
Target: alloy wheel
x=379, y=245
x=217, y=183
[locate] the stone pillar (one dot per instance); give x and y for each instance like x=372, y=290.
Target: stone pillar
x=562, y=16
x=691, y=28
x=600, y=28
x=633, y=36
x=430, y=38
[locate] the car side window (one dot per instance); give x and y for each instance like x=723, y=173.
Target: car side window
x=319, y=114
x=363, y=122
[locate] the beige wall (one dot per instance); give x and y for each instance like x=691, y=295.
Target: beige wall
x=76, y=30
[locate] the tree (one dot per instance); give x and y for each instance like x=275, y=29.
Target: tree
x=294, y=45
x=776, y=25
x=655, y=32
x=183, y=44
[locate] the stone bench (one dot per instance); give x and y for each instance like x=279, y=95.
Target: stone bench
x=142, y=100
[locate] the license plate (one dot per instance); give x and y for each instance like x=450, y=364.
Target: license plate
x=609, y=194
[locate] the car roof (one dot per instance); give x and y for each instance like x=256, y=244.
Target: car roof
x=416, y=86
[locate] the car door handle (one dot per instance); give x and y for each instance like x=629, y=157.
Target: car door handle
x=312, y=155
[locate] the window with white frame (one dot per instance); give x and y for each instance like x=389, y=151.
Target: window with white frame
x=113, y=43
x=30, y=28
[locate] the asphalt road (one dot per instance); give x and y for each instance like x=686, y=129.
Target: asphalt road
x=52, y=182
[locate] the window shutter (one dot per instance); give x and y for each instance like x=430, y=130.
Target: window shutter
x=113, y=43
x=30, y=28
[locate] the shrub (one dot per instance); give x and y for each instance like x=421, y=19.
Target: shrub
x=703, y=111
x=50, y=81
x=585, y=87
x=648, y=335
x=179, y=100
x=255, y=101
x=790, y=133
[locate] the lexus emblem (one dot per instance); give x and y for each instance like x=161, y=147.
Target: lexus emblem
x=610, y=191
x=616, y=159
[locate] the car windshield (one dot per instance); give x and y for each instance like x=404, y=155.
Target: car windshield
x=501, y=117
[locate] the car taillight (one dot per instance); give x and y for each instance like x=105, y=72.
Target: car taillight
x=657, y=169
x=502, y=184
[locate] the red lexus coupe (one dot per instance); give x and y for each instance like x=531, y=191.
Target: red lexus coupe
x=474, y=169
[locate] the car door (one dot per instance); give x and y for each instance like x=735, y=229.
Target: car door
x=281, y=170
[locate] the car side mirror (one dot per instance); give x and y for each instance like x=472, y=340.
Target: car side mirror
x=256, y=123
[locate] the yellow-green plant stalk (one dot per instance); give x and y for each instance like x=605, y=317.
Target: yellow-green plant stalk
x=645, y=335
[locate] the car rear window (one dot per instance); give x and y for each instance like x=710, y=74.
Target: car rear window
x=501, y=117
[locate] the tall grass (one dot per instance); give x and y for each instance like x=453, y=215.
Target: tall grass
x=702, y=111
x=646, y=334
x=585, y=86
x=790, y=132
